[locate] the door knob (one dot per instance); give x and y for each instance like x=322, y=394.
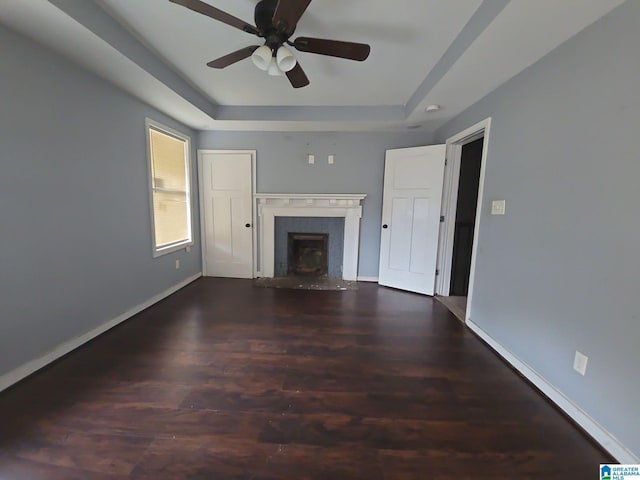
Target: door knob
x=385, y=226
x=248, y=225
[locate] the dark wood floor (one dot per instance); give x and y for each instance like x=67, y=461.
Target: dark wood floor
x=227, y=381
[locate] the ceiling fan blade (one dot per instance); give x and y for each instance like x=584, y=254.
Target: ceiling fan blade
x=333, y=48
x=232, y=58
x=288, y=13
x=297, y=77
x=217, y=14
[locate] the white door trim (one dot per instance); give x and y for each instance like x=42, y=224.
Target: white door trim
x=203, y=240
x=449, y=205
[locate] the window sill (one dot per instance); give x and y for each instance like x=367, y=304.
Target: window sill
x=172, y=248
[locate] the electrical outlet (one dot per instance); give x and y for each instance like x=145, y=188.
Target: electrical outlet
x=580, y=363
x=498, y=207
x=331, y=159
x=177, y=264
x=312, y=159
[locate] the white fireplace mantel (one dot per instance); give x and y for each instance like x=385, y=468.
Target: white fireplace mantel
x=347, y=206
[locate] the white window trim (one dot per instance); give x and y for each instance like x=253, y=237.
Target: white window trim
x=174, y=247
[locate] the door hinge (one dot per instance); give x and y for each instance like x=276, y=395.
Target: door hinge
x=442, y=218
x=437, y=272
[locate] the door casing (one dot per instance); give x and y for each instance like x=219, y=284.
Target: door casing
x=449, y=205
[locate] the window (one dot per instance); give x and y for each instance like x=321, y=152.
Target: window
x=170, y=188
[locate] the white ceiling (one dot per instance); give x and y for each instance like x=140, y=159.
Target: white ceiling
x=188, y=41
x=450, y=53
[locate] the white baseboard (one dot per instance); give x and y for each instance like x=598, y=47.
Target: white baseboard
x=33, y=366
x=610, y=443
x=368, y=279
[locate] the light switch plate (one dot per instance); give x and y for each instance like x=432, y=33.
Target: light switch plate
x=331, y=159
x=498, y=207
x=312, y=159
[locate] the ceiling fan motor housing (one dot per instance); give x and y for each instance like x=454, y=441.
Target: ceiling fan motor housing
x=275, y=35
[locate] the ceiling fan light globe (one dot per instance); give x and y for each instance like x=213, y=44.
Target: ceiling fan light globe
x=274, y=70
x=286, y=60
x=262, y=57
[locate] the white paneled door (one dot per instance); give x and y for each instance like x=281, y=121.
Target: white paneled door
x=226, y=182
x=413, y=181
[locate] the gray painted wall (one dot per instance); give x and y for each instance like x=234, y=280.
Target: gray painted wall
x=282, y=167
x=559, y=272
x=74, y=206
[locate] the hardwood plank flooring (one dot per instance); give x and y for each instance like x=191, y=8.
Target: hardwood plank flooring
x=456, y=304
x=224, y=380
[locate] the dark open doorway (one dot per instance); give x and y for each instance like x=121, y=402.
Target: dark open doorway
x=468, y=185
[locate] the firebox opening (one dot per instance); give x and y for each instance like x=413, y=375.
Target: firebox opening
x=307, y=254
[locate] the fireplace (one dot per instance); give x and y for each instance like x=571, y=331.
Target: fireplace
x=307, y=254
x=343, y=245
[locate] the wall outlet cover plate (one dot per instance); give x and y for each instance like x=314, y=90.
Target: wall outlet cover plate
x=498, y=207
x=580, y=363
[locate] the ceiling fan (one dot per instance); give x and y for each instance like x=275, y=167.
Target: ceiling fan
x=276, y=22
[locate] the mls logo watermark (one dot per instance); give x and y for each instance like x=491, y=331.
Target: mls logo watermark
x=619, y=472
